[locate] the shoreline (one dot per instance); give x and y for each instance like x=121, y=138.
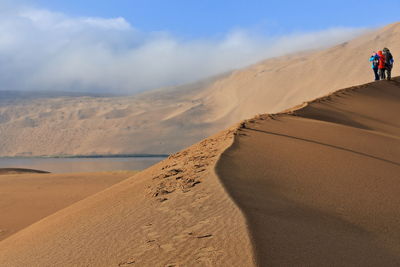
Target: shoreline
x=88, y=156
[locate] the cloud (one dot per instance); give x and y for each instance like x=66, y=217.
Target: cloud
x=46, y=20
x=46, y=50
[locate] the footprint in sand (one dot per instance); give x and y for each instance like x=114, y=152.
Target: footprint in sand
x=127, y=263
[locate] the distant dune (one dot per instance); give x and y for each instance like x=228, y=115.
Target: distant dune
x=12, y=96
x=314, y=186
x=165, y=121
x=26, y=196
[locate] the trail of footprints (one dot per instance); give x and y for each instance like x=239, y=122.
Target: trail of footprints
x=180, y=173
x=186, y=169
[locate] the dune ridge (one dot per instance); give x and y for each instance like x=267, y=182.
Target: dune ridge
x=319, y=184
x=300, y=187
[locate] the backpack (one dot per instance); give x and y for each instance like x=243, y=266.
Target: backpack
x=388, y=58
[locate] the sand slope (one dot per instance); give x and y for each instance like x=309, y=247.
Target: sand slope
x=316, y=186
x=321, y=186
x=277, y=84
x=166, y=121
x=29, y=196
x=175, y=213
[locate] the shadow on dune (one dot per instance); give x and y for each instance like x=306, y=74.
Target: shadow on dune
x=328, y=145
x=287, y=232
x=318, y=194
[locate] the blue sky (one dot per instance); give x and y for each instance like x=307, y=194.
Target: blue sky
x=200, y=18
x=127, y=46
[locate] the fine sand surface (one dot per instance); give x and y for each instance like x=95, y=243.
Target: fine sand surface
x=175, y=213
x=315, y=186
x=320, y=186
x=26, y=196
x=167, y=120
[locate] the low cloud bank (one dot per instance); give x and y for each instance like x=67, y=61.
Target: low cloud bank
x=46, y=50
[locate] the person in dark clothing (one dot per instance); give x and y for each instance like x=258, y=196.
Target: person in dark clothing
x=381, y=66
x=388, y=63
x=374, y=59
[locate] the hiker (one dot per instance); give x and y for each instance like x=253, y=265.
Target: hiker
x=374, y=59
x=388, y=63
x=381, y=66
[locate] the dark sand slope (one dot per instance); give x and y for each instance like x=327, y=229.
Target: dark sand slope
x=321, y=186
x=5, y=171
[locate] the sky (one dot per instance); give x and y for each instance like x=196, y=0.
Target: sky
x=193, y=19
x=127, y=46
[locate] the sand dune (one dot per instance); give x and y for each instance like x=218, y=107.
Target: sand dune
x=101, y=125
x=320, y=186
x=315, y=186
x=27, y=196
x=277, y=84
x=168, y=120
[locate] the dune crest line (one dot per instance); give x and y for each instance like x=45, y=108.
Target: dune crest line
x=317, y=193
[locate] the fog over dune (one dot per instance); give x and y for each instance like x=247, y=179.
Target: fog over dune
x=46, y=50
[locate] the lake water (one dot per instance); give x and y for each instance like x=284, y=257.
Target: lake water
x=64, y=165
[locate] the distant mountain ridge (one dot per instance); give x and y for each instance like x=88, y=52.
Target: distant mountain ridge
x=8, y=94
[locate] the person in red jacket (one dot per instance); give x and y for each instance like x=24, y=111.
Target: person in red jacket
x=381, y=66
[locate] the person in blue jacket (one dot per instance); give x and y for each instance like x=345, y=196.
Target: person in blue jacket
x=374, y=59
